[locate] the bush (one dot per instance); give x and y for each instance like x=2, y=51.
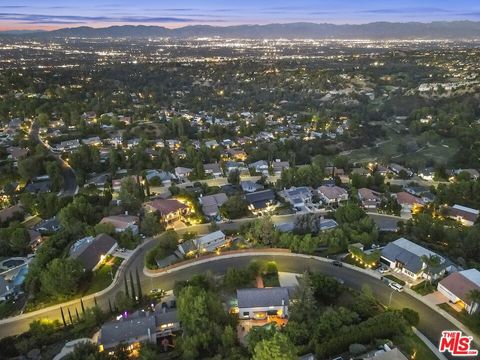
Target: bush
x=411, y=316
x=167, y=243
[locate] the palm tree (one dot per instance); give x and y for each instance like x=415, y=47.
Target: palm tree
x=431, y=262
x=474, y=297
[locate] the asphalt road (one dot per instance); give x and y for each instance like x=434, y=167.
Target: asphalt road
x=69, y=180
x=431, y=322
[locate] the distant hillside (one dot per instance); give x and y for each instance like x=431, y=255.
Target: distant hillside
x=376, y=30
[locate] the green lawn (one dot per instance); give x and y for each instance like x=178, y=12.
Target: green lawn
x=102, y=277
x=270, y=280
x=440, y=151
x=412, y=344
x=393, y=278
x=424, y=288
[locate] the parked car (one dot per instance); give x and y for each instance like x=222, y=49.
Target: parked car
x=396, y=286
x=337, y=263
x=383, y=270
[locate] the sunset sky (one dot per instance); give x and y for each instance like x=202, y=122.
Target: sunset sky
x=51, y=14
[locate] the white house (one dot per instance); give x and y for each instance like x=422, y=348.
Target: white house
x=210, y=242
x=467, y=216
x=406, y=257
x=457, y=287
x=298, y=196
x=182, y=172
x=122, y=222
x=260, y=167
x=332, y=194
x=259, y=304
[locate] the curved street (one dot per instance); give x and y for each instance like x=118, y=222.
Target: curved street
x=70, y=187
x=431, y=323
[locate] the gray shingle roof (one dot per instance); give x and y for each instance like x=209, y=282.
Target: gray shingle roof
x=89, y=250
x=127, y=330
x=411, y=261
x=250, y=298
x=260, y=199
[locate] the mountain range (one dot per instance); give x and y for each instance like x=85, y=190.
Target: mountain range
x=375, y=30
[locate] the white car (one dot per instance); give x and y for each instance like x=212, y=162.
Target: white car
x=383, y=270
x=396, y=286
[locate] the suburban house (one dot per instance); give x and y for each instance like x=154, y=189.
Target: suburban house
x=68, y=145
x=332, y=171
x=170, y=210
x=260, y=201
x=117, y=183
x=38, y=187
x=406, y=257
x=427, y=174
x=297, y=196
x=182, y=172
x=260, y=167
x=360, y=171
x=131, y=331
x=457, y=287
x=249, y=186
x=408, y=202
x=206, y=243
x=122, y=222
x=278, y=166
x=90, y=251
x=210, y=242
x=213, y=169
x=17, y=153
x=48, y=226
x=474, y=174
x=234, y=165
x=164, y=176
x=397, y=169
x=467, y=216
x=369, y=198
x=211, y=203
x=98, y=180
x=259, y=304
x=332, y=194
x=237, y=154
x=211, y=144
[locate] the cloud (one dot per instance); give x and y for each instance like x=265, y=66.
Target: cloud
x=406, y=10
x=75, y=19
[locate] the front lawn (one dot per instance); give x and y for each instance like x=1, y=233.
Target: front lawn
x=424, y=288
x=103, y=276
x=414, y=347
x=393, y=278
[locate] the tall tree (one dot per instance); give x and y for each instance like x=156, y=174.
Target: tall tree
x=278, y=348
